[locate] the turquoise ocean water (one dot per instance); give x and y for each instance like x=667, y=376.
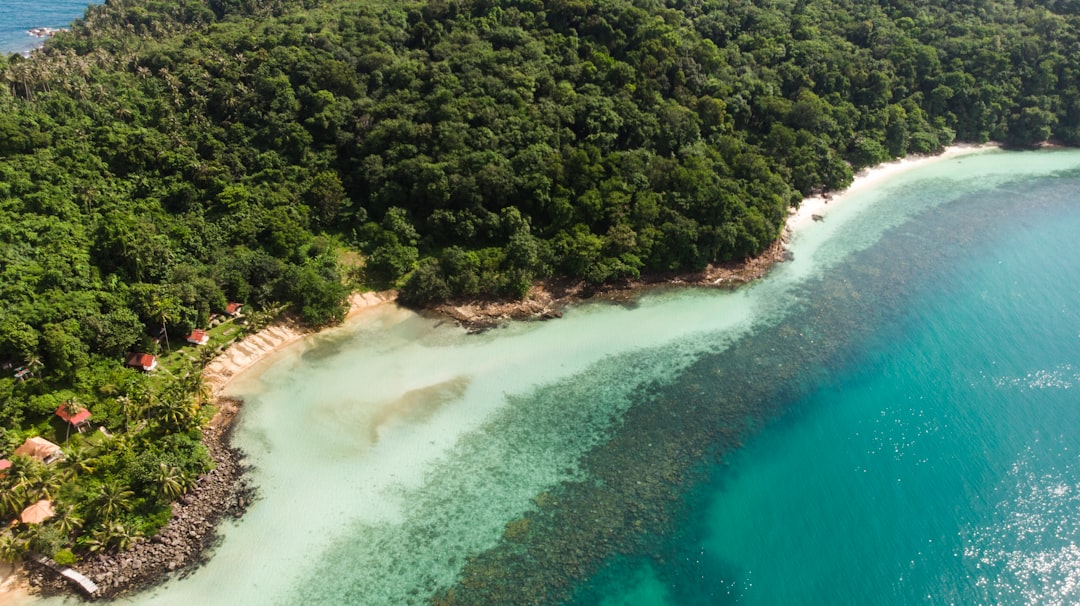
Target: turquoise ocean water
x=889, y=418
x=18, y=16
x=936, y=458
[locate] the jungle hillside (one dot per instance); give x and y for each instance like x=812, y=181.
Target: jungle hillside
x=166, y=158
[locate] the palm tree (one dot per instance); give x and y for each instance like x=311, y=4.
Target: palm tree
x=121, y=536
x=175, y=409
x=22, y=472
x=67, y=520
x=140, y=400
x=98, y=540
x=46, y=483
x=112, y=499
x=162, y=307
x=13, y=500
x=171, y=481
x=193, y=383
x=180, y=413
x=31, y=535
x=11, y=548
x=111, y=535
x=71, y=408
x=80, y=459
x=134, y=406
x=34, y=363
x=9, y=78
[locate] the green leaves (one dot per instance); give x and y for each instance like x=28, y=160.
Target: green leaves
x=162, y=160
x=113, y=498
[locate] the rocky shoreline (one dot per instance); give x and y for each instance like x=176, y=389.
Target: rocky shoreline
x=546, y=299
x=45, y=32
x=186, y=541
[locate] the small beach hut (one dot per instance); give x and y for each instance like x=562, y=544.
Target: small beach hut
x=198, y=337
x=77, y=416
x=233, y=308
x=38, y=512
x=40, y=449
x=143, y=361
x=4, y=466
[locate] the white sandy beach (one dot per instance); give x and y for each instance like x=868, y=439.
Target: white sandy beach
x=872, y=176
x=245, y=354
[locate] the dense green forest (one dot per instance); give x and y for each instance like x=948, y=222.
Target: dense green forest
x=165, y=157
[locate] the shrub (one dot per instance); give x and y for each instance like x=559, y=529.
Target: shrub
x=65, y=557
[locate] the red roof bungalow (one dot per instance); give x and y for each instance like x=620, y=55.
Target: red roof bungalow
x=80, y=420
x=233, y=308
x=198, y=337
x=143, y=361
x=4, y=466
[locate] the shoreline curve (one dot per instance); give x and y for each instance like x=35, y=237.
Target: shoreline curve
x=544, y=301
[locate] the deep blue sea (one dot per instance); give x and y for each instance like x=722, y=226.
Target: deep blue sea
x=18, y=16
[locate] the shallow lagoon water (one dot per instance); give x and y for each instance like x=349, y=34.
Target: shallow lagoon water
x=392, y=451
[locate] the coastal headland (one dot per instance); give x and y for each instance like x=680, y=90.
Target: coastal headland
x=546, y=298
x=189, y=538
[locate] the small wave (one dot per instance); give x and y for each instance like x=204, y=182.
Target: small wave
x=1063, y=376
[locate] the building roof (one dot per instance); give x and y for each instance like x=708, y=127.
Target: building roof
x=38, y=448
x=82, y=416
x=233, y=308
x=4, y=464
x=198, y=336
x=141, y=360
x=38, y=512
